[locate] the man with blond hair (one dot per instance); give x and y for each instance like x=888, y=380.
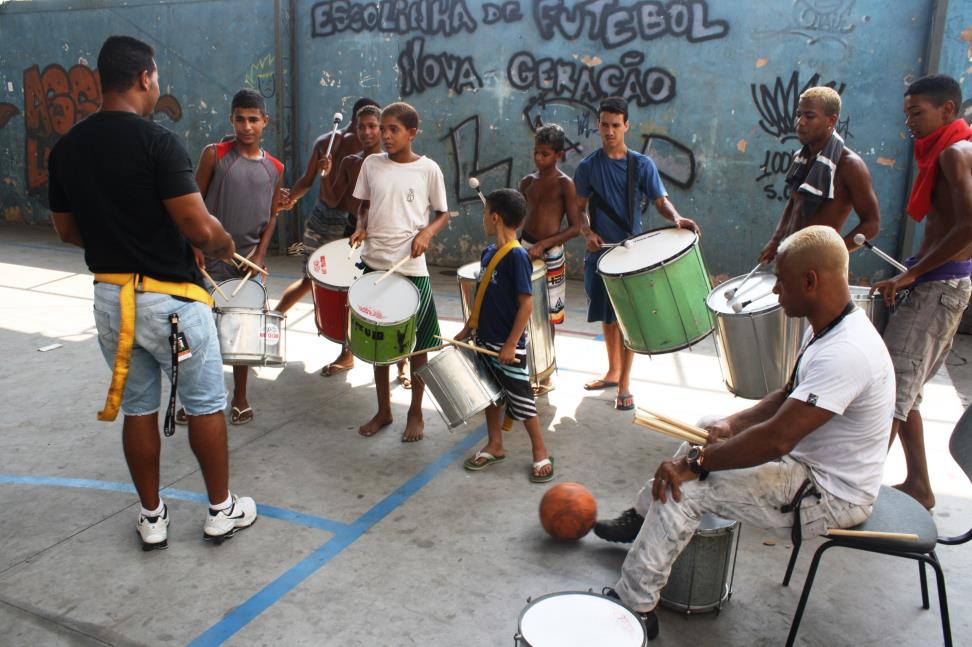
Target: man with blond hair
x=824, y=434
x=826, y=179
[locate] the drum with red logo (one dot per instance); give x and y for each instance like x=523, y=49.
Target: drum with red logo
x=333, y=268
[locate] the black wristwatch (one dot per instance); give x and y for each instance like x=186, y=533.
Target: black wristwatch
x=695, y=457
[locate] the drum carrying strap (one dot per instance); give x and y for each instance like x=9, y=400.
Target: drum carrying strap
x=485, y=278
x=126, y=333
x=631, y=193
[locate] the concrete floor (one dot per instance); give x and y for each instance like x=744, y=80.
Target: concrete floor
x=369, y=541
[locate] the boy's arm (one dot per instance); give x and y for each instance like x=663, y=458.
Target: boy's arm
x=508, y=352
x=261, y=251
x=668, y=211
x=336, y=189
x=422, y=239
x=573, y=218
x=304, y=184
x=206, y=169
x=361, y=228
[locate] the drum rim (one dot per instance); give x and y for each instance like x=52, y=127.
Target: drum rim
x=354, y=311
x=643, y=270
x=320, y=252
x=692, y=342
x=533, y=602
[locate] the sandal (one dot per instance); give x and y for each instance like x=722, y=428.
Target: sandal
x=334, y=368
x=624, y=402
x=539, y=465
x=473, y=465
x=597, y=385
x=241, y=416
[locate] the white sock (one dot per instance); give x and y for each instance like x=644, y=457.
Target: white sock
x=154, y=513
x=225, y=505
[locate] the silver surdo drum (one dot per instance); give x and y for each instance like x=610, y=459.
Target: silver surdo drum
x=249, y=333
x=540, y=340
x=579, y=619
x=460, y=383
x=701, y=579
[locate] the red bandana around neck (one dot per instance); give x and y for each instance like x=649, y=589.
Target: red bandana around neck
x=927, y=150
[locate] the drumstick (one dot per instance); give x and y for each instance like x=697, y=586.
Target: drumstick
x=474, y=184
x=871, y=534
x=239, y=287
x=738, y=307
x=478, y=349
x=730, y=293
x=692, y=429
x=392, y=270
x=213, y=283
x=250, y=263
x=625, y=243
x=424, y=350
x=338, y=118
x=351, y=253
x=860, y=240
x=666, y=430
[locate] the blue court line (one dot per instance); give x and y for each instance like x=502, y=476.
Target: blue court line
x=290, y=516
x=288, y=581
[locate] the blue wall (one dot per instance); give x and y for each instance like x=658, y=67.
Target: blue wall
x=713, y=86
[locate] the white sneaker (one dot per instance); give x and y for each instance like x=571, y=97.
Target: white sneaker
x=223, y=524
x=154, y=531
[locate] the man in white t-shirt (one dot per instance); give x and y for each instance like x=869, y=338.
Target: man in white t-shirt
x=397, y=190
x=826, y=433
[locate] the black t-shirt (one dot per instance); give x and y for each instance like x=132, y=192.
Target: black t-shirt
x=112, y=171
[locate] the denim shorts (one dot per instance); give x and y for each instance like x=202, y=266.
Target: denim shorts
x=201, y=389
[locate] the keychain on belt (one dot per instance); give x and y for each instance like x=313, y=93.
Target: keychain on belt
x=179, y=347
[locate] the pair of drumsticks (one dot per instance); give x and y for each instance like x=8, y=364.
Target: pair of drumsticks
x=245, y=261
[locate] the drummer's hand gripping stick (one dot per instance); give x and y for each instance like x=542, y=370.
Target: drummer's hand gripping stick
x=860, y=240
x=338, y=118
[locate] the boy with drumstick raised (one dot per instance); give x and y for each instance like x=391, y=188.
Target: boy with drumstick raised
x=397, y=190
x=504, y=303
x=550, y=195
x=243, y=187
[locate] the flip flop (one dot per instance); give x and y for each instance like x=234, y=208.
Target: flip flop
x=598, y=385
x=181, y=417
x=472, y=465
x=241, y=416
x=624, y=402
x=542, y=478
x=542, y=389
x=405, y=381
x=334, y=368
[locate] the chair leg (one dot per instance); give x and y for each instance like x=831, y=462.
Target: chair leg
x=789, y=567
x=924, y=584
x=795, y=625
x=942, y=599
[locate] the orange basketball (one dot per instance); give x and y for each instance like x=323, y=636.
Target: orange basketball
x=568, y=511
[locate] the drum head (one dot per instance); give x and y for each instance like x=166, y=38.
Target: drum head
x=646, y=251
x=712, y=524
x=579, y=619
x=251, y=295
x=469, y=271
x=758, y=290
x=329, y=264
x=394, y=300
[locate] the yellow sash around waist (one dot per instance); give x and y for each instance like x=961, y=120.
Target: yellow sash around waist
x=126, y=333
x=484, y=280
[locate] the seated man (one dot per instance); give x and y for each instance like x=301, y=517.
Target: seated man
x=827, y=432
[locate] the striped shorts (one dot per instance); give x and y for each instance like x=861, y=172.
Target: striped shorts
x=427, y=325
x=514, y=380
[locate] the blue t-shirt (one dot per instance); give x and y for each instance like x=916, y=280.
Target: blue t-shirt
x=510, y=279
x=609, y=178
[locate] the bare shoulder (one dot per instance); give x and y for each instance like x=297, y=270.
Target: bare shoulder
x=958, y=153
x=852, y=165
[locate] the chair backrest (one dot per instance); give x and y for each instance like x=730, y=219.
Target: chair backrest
x=960, y=445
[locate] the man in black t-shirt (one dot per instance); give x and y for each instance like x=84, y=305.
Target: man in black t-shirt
x=122, y=188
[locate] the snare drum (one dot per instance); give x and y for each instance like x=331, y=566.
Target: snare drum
x=460, y=383
x=540, y=339
x=249, y=334
x=701, y=578
x=579, y=619
x=332, y=273
x=381, y=325
x=657, y=284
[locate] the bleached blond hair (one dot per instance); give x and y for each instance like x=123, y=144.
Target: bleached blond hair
x=826, y=96
x=817, y=247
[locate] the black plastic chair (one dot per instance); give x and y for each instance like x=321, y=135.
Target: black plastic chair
x=897, y=512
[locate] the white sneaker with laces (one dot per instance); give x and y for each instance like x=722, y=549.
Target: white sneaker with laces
x=154, y=531
x=223, y=524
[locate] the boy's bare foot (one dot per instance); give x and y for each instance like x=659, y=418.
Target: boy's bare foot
x=376, y=424
x=921, y=495
x=414, y=429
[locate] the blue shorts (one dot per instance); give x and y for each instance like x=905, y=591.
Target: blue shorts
x=201, y=388
x=599, y=306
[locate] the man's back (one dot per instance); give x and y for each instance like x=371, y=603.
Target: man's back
x=112, y=171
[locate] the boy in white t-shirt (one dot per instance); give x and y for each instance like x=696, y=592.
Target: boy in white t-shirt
x=397, y=190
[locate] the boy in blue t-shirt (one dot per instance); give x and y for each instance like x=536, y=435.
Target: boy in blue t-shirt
x=503, y=317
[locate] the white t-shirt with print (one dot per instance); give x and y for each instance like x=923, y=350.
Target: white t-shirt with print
x=401, y=197
x=847, y=371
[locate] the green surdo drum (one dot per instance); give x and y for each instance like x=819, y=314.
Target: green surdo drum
x=657, y=284
x=382, y=318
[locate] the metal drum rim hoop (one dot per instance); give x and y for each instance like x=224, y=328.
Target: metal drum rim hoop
x=389, y=323
x=533, y=601
x=645, y=270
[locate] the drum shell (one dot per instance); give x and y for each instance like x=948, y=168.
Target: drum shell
x=753, y=351
x=701, y=578
x=626, y=627
x=330, y=311
x=661, y=308
x=382, y=343
x=251, y=337
x=460, y=384
x=540, y=335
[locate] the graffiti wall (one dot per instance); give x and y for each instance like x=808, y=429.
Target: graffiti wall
x=713, y=87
